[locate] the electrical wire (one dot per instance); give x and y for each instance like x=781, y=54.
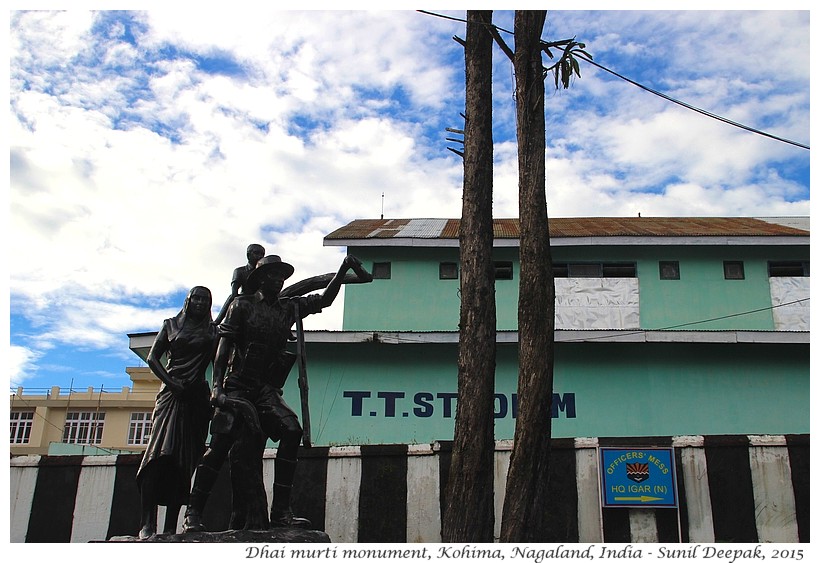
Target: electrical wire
x=673, y=327
x=698, y=110
x=621, y=334
x=15, y=397
x=652, y=91
x=399, y=339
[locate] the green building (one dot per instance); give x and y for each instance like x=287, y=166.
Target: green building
x=664, y=327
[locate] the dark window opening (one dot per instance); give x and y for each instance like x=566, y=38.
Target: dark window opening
x=381, y=270
x=669, y=270
x=619, y=270
x=733, y=270
x=585, y=271
x=792, y=269
x=503, y=270
x=448, y=271
x=594, y=270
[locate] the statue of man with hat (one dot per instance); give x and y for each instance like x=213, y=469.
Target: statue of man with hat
x=250, y=368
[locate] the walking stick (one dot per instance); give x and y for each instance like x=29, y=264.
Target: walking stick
x=303, y=379
x=360, y=275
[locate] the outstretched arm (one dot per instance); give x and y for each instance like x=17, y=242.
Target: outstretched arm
x=224, y=309
x=349, y=263
x=236, y=284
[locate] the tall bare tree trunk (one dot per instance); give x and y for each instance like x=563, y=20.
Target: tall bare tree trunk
x=469, y=514
x=525, y=504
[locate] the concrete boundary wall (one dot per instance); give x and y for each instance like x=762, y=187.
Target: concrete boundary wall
x=730, y=489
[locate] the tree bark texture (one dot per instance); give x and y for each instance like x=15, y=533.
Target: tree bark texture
x=469, y=513
x=525, y=504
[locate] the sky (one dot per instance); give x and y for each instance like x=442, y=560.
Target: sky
x=148, y=148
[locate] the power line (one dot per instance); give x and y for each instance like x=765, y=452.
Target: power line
x=701, y=111
x=673, y=327
x=47, y=422
x=665, y=328
x=619, y=334
x=652, y=91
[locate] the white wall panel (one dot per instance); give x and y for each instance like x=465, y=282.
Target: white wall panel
x=788, y=290
x=22, y=479
x=594, y=303
x=423, y=486
x=344, y=477
x=95, y=492
x=774, y=495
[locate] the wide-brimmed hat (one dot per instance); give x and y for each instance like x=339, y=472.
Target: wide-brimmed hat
x=269, y=264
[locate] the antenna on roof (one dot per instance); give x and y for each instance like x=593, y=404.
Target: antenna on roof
x=382, y=205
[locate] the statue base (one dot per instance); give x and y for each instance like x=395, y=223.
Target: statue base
x=274, y=535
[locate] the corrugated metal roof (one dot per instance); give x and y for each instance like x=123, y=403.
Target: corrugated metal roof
x=422, y=228
x=573, y=227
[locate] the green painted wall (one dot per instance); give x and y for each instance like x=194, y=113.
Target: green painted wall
x=416, y=299
x=703, y=293
x=607, y=390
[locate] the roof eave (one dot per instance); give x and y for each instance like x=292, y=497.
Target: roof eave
x=567, y=336
x=714, y=240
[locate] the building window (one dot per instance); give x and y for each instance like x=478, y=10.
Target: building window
x=503, y=270
x=789, y=269
x=139, y=429
x=669, y=270
x=585, y=271
x=733, y=270
x=448, y=271
x=21, y=422
x=381, y=270
x=619, y=270
x=594, y=270
x=83, y=427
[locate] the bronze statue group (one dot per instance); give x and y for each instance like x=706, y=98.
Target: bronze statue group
x=247, y=345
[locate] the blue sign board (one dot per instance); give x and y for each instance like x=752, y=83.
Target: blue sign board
x=638, y=477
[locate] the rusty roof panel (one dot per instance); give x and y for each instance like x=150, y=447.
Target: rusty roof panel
x=506, y=228
x=359, y=228
x=389, y=228
x=369, y=228
x=668, y=226
x=573, y=227
x=451, y=230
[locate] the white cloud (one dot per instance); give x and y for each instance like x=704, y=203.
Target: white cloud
x=136, y=176
x=22, y=364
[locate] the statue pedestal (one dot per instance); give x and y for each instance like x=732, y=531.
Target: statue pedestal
x=274, y=535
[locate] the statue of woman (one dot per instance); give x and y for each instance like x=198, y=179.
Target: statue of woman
x=182, y=411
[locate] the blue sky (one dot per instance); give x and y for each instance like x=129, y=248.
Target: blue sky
x=149, y=148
